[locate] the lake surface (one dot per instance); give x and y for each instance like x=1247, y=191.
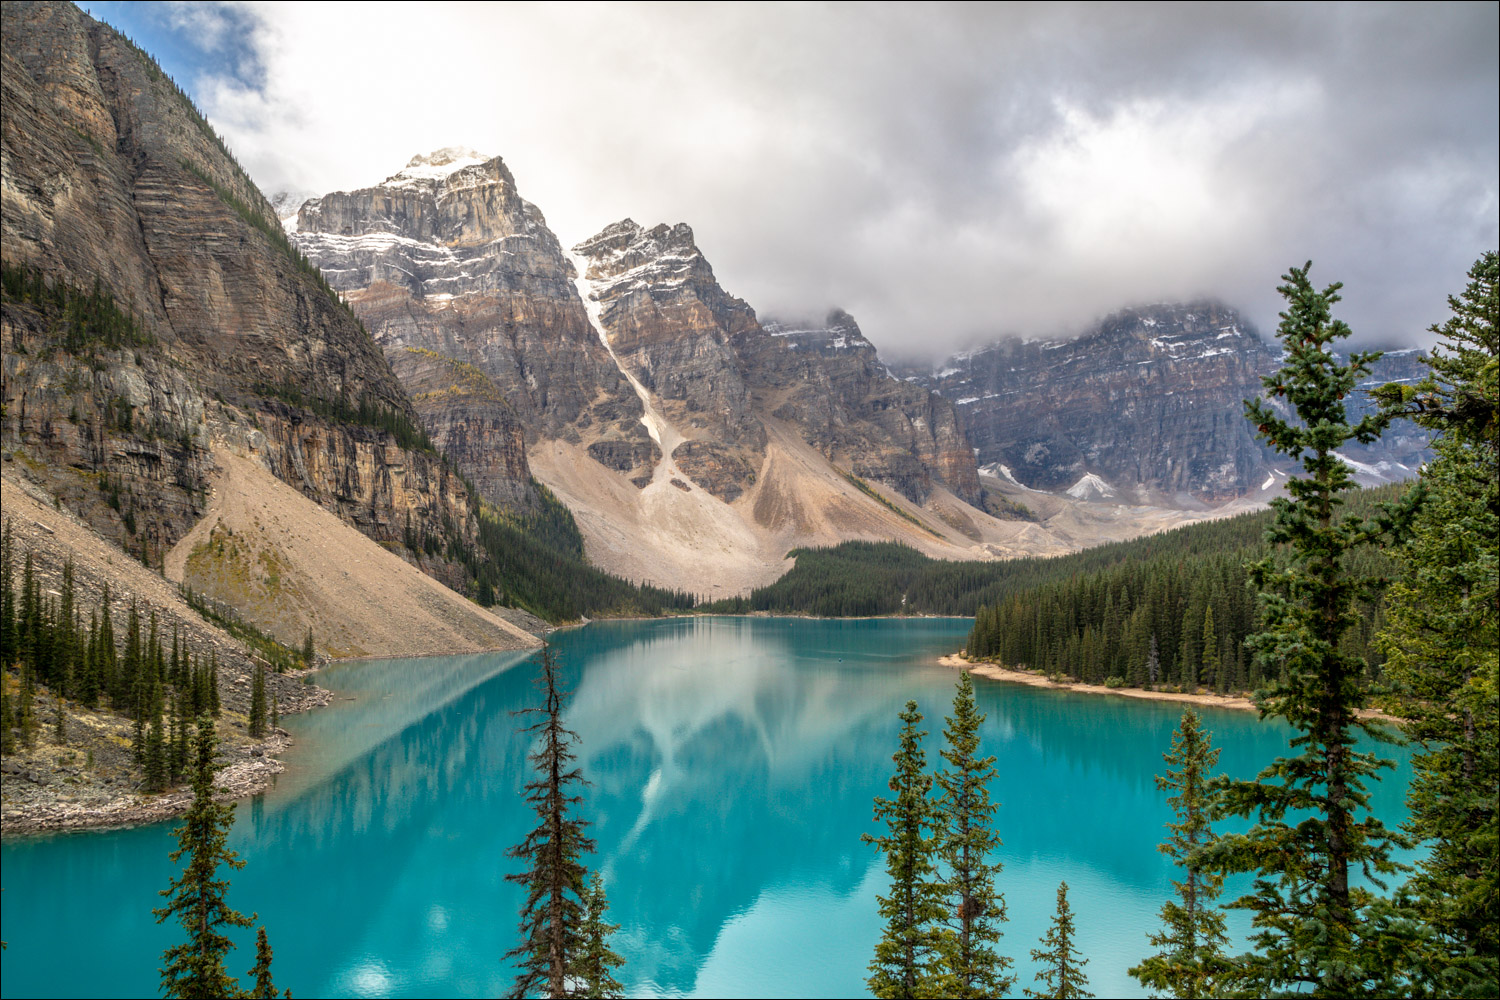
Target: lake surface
x=733, y=762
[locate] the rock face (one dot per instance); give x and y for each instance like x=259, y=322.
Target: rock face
x=1148, y=406
x=827, y=379
x=720, y=372
x=113, y=182
x=446, y=257
x=1145, y=406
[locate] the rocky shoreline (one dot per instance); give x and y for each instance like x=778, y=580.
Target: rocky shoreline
x=88, y=782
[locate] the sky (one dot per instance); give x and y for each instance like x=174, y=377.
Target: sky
x=950, y=175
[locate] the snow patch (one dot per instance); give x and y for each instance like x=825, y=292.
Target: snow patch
x=1270, y=481
x=1090, y=486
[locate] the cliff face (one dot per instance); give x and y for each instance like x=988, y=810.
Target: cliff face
x=446, y=257
x=1147, y=406
x=110, y=176
x=827, y=379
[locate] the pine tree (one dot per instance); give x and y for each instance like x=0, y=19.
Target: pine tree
x=264, y=988
x=196, y=897
x=1310, y=921
x=258, y=703
x=1193, y=938
x=552, y=916
x=593, y=973
x=308, y=650
x=907, y=959
x=60, y=721
x=1061, y=974
x=971, y=966
x=1441, y=638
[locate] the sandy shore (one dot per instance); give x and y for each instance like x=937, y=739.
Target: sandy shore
x=995, y=671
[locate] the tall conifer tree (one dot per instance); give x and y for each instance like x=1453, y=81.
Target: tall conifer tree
x=1442, y=641
x=971, y=965
x=196, y=897
x=1193, y=938
x=1309, y=918
x=907, y=959
x=552, y=916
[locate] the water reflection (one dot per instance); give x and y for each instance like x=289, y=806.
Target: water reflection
x=733, y=764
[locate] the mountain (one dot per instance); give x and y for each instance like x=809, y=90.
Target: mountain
x=1145, y=407
x=693, y=445
x=156, y=318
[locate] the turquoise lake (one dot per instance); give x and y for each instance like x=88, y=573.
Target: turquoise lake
x=733, y=763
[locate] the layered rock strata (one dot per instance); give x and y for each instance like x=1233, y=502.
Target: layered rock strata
x=114, y=185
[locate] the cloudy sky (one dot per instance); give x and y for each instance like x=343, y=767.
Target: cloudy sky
x=947, y=174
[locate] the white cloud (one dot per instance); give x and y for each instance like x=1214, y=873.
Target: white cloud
x=943, y=175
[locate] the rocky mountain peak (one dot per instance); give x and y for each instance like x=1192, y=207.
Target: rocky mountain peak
x=626, y=256
x=452, y=197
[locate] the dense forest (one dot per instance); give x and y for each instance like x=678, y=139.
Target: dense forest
x=1170, y=609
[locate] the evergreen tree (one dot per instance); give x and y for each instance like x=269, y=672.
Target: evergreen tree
x=971, y=966
x=308, y=650
x=196, y=897
x=908, y=956
x=593, y=973
x=264, y=988
x=60, y=721
x=26, y=711
x=1061, y=974
x=1441, y=640
x=7, y=714
x=1209, y=657
x=1193, y=937
x=9, y=636
x=1310, y=921
x=258, y=703
x=552, y=916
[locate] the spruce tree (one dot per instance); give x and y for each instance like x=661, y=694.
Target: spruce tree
x=1314, y=822
x=907, y=959
x=258, y=703
x=196, y=897
x=308, y=650
x=264, y=988
x=593, y=973
x=1209, y=656
x=1061, y=974
x=1442, y=642
x=9, y=646
x=1193, y=938
x=971, y=965
x=552, y=915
